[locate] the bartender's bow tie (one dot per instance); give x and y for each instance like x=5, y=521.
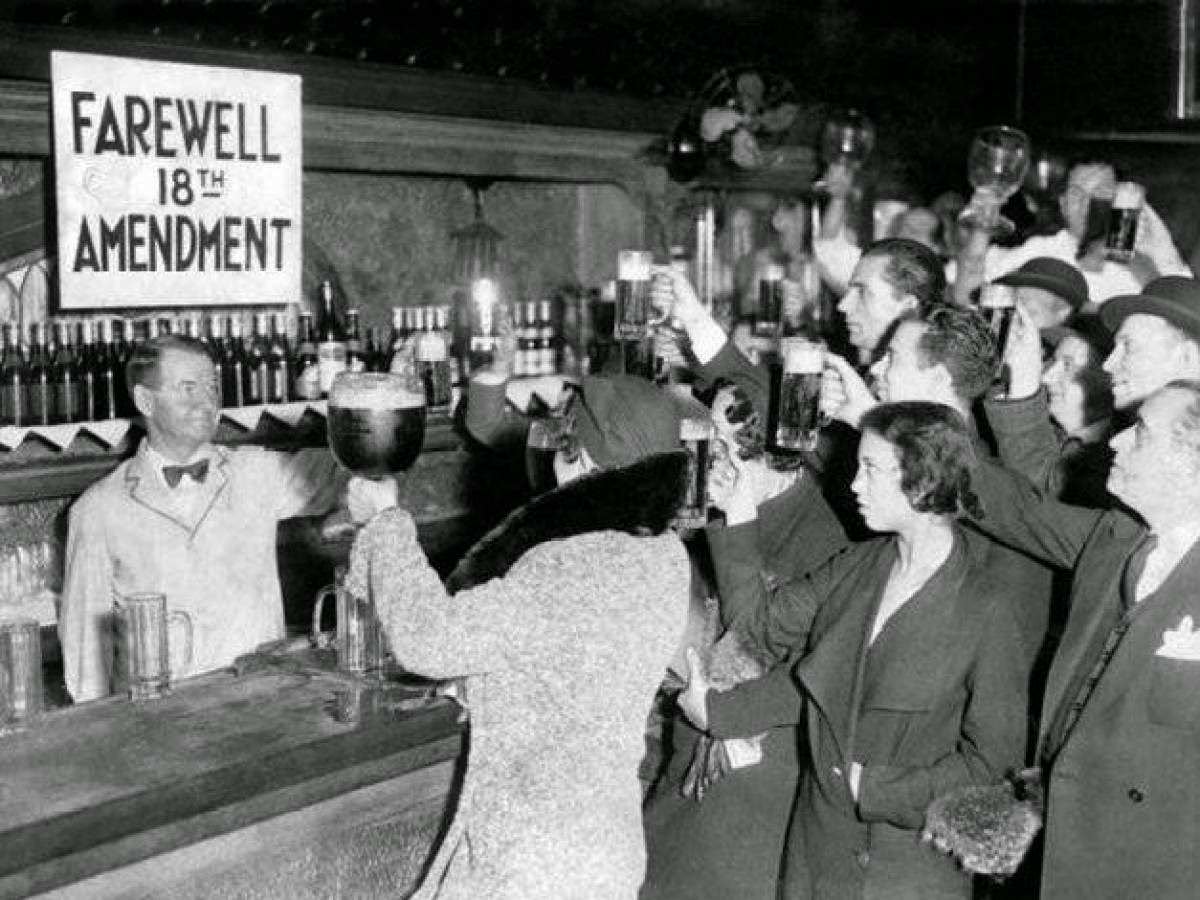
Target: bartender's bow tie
x=198, y=470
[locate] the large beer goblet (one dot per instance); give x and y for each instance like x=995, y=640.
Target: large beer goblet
x=376, y=422
x=996, y=166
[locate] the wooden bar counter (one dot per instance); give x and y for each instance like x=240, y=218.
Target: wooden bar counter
x=112, y=798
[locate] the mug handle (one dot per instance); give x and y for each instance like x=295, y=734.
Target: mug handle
x=314, y=638
x=187, y=622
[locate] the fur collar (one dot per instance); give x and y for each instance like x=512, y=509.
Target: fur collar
x=635, y=498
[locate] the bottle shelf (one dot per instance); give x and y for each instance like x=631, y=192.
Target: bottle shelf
x=44, y=462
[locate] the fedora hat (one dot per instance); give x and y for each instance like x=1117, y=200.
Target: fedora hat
x=1171, y=297
x=1054, y=275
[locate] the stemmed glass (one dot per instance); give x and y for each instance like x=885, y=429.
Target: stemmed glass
x=848, y=138
x=996, y=167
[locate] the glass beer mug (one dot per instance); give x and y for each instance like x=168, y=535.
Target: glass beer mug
x=141, y=630
x=798, y=418
x=633, y=311
x=696, y=437
x=359, y=636
x=1123, y=221
x=20, y=673
x=998, y=303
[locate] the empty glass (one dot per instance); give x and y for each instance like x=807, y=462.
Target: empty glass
x=996, y=166
x=359, y=636
x=20, y=672
x=142, y=643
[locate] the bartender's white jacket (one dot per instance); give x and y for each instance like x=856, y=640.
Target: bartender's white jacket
x=210, y=547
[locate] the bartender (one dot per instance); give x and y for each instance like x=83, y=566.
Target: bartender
x=183, y=517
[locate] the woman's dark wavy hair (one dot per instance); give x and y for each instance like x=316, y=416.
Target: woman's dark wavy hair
x=751, y=436
x=936, y=454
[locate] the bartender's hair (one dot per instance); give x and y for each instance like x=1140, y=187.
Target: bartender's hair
x=913, y=269
x=961, y=340
x=935, y=451
x=142, y=367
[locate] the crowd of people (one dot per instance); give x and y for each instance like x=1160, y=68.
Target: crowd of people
x=974, y=582
x=984, y=577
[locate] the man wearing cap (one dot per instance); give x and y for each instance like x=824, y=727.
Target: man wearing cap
x=563, y=623
x=979, y=262
x=1156, y=341
x=1118, y=742
x=1050, y=290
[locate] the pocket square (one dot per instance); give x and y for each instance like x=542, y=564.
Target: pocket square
x=1181, y=642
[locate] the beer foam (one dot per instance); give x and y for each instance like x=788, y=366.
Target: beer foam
x=1129, y=195
x=998, y=296
x=695, y=429
x=634, y=265
x=376, y=391
x=803, y=356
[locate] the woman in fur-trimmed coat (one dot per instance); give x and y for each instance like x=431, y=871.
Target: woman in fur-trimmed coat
x=567, y=617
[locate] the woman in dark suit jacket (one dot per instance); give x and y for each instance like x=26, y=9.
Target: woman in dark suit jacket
x=909, y=681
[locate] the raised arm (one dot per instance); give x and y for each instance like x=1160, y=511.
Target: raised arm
x=427, y=630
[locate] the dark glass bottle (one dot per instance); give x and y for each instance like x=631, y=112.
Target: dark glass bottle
x=65, y=374
x=376, y=356
x=399, y=335
x=39, y=378
x=331, y=340
x=233, y=363
x=257, y=375
x=307, y=365
x=121, y=350
x=90, y=401
x=14, y=407
x=356, y=354
x=279, y=363
x=109, y=375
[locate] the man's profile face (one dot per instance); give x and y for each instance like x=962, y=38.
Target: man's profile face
x=182, y=404
x=1148, y=352
x=1150, y=463
x=902, y=373
x=871, y=303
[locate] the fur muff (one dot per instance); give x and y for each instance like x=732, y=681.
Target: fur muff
x=636, y=499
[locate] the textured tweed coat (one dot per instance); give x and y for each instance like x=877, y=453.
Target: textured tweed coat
x=563, y=650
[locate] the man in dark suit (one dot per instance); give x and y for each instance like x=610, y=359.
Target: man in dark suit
x=1120, y=737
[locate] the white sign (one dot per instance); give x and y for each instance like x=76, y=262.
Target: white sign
x=177, y=185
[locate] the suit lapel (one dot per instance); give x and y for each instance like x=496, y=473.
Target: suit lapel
x=1157, y=613
x=147, y=489
x=897, y=678
x=1097, y=585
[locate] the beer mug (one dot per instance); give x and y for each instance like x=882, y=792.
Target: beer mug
x=1123, y=221
x=633, y=310
x=696, y=437
x=998, y=303
x=141, y=624
x=546, y=436
x=768, y=320
x=359, y=637
x=798, y=417
x=20, y=672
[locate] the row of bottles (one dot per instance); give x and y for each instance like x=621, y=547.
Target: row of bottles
x=74, y=370
x=66, y=376
x=537, y=347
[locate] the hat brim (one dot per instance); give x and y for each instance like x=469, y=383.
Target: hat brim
x=1116, y=310
x=1053, y=285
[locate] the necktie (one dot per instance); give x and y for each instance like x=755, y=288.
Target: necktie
x=174, y=474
